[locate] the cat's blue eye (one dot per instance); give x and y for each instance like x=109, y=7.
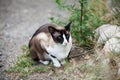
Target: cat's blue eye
x=59, y=38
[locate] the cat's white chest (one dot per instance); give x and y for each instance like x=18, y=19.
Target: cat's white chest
x=59, y=51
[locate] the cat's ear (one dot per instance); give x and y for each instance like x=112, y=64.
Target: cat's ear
x=67, y=27
x=52, y=30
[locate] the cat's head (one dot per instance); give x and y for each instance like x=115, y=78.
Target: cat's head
x=61, y=35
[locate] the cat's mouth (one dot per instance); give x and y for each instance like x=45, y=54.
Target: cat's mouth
x=65, y=44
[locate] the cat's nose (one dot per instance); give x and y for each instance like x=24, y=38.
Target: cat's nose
x=65, y=43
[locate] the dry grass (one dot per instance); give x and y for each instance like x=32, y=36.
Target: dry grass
x=88, y=66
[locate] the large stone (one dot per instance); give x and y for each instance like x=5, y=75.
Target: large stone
x=106, y=32
x=113, y=44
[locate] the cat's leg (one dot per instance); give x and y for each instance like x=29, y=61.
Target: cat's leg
x=44, y=62
x=55, y=61
x=63, y=62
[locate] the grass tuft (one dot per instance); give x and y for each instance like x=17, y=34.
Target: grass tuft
x=24, y=65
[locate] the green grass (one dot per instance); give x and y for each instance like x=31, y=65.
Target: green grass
x=25, y=66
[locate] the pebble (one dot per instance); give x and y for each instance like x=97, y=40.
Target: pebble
x=1, y=65
x=0, y=53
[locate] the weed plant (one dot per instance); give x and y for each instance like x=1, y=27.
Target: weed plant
x=85, y=17
x=24, y=65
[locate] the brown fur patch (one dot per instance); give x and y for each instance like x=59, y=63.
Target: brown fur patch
x=36, y=50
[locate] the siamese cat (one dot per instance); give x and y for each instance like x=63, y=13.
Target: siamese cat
x=51, y=43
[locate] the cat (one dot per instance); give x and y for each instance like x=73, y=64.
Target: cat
x=51, y=43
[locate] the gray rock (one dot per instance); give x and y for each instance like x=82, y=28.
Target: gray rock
x=105, y=32
x=113, y=44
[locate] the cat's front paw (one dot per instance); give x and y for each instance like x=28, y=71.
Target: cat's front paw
x=57, y=65
x=44, y=62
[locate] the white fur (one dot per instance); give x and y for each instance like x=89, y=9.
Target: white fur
x=55, y=61
x=65, y=42
x=60, y=51
x=44, y=62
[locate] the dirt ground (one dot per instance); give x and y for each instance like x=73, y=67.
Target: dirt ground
x=18, y=21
